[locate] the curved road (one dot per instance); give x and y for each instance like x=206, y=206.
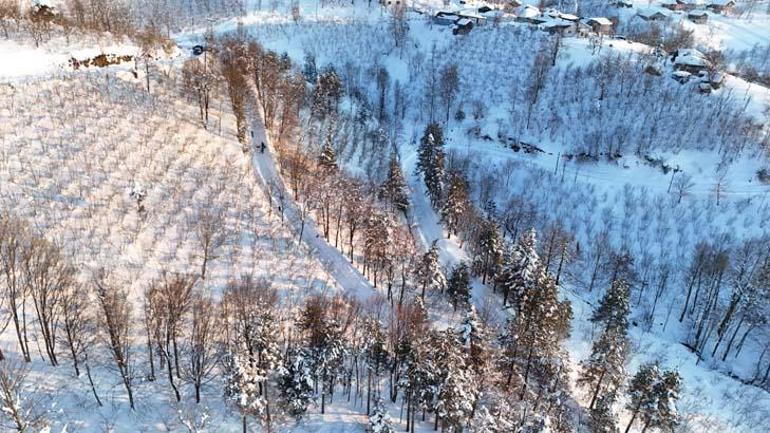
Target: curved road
x=348, y=278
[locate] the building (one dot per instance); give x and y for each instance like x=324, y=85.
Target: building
x=673, y=5
x=698, y=16
x=445, y=18
x=721, y=6
x=463, y=26
x=560, y=27
x=652, y=14
x=690, y=60
x=529, y=14
x=600, y=25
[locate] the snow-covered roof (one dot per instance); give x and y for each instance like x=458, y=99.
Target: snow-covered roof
x=527, y=11
x=681, y=74
x=650, y=12
x=721, y=2
x=698, y=13
x=568, y=17
x=600, y=20
x=463, y=21
x=691, y=57
x=557, y=23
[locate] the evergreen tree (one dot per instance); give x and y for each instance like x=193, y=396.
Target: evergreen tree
x=641, y=393
x=601, y=419
x=430, y=162
x=521, y=272
x=490, y=250
x=456, y=202
x=242, y=387
x=603, y=372
x=309, y=69
x=327, y=94
x=295, y=382
x=455, y=389
x=459, y=286
x=394, y=189
x=327, y=160
x=666, y=417
x=379, y=421
x=428, y=272
x=535, y=332
x=614, y=307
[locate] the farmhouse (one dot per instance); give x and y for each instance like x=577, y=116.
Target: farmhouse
x=560, y=27
x=463, y=26
x=698, y=16
x=721, y=6
x=690, y=60
x=600, y=25
x=445, y=18
x=652, y=14
x=673, y=5
x=529, y=14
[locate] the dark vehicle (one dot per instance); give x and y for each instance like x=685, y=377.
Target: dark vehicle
x=198, y=50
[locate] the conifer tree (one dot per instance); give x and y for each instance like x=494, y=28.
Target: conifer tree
x=295, y=382
x=430, y=161
x=394, y=189
x=489, y=256
x=379, y=421
x=603, y=372
x=601, y=419
x=641, y=393
x=522, y=270
x=242, y=387
x=456, y=202
x=614, y=307
x=428, y=272
x=327, y=160
x=327, y=94
x=459, y=286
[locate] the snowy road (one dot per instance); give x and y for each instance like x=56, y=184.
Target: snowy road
x=348, y=278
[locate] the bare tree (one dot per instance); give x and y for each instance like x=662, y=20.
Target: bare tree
x=200, y=80
x=115, y=324
x=449, y=86
x=212, y=235
x=203, y=341
x=79, y=328
x=14, y=245
x=22, y=413
x=9, y=12
x=49, y=277
x=682, y=185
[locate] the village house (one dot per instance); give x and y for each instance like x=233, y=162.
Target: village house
x=698, y=16
x=445, y=18
x=690, y=60
x=622, y=3
x=471, y=14
x=673, y=5
x=463, y=26
x=600, y=25
x=529, y=14
x=721, y=6
x=652, y=14
x=560, y=27
x=691, y=5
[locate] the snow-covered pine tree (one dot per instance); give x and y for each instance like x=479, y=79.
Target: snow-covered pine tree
x=375, y=352
x=295, y=382
x=242, y=387
x=536, y=331
x=522, y=270
x=430, y=162
x=379, y=421
x=428, y=271
x=456, y=202
x=666, y=392
x=604, y=371
x=614, y=307
x=455, y=389
x=394, y=189
x=327, y=94
x=642, y=401
x=327, y=160
x=324, y=342
x=489, y=250
x=601, y=419
x=459, y=286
